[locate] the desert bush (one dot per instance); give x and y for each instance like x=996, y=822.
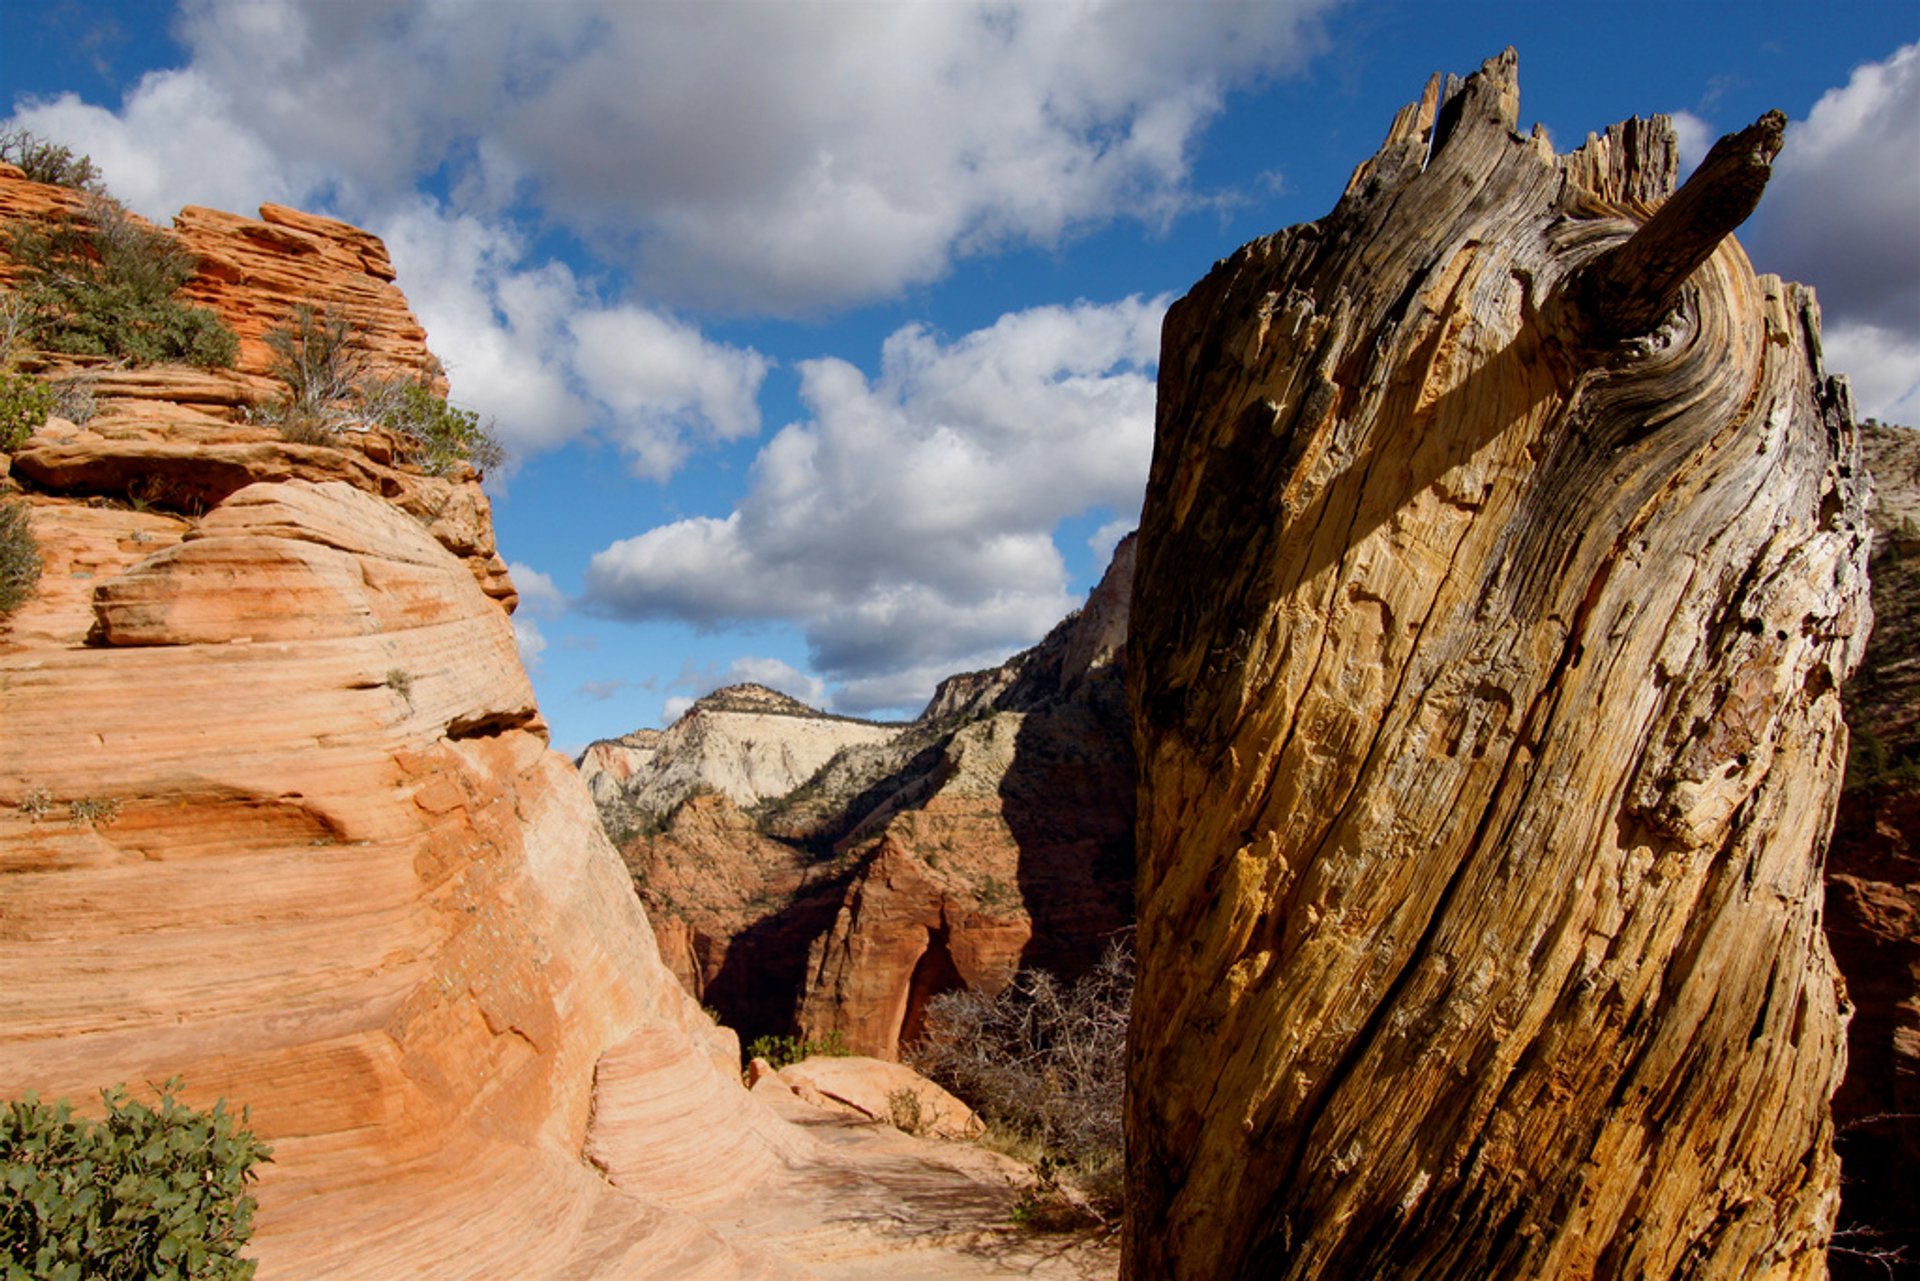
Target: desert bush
x=783, y=1051
x=141, y=1193
x=103, y=284
x=25, y=402
x=19, y=556
x=45, y=161
x=16, y=322
x=1043, y=1062
x=322, y=361
x=441, y=436
x=73, y=398
x=315, y=355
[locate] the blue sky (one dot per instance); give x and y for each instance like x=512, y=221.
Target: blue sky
x=823, y=334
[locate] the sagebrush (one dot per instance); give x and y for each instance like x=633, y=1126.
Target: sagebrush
x=103, y=284
x=322, y=359
x=142, y=1194
x=45, y=161
x=1045, y=1062
x=19, y=555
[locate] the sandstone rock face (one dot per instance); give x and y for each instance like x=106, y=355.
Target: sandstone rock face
x=876, y=1090
x=993, y=833
x=1499, y=572
x=1873, y=885
x=278, y=814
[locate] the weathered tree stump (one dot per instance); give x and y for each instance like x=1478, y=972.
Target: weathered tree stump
x=1501, y=562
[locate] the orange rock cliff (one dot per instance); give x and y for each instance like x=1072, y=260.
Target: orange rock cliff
x=278, y=813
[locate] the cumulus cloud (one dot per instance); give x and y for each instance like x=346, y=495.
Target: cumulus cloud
x=1843, y=213
x=769, y=158
x=539, y=595
x=154, y=150
x=535, y=348
x=906, y=525
x=527, y=635
x=1695, y=136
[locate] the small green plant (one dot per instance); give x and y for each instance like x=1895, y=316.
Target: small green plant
x=19, y=555
x=322, y=360
x=103, y=284
x=784, y=1051
x=441, y=435
x=141, y=1193
x=25, y=402
x=400, y=681
x=44, y=161
x=93, y=811
x=37, y=804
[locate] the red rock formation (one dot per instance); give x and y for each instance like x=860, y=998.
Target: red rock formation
x=994, y=833
x=1502, y=558
x=1873, y=887
x=278, y=814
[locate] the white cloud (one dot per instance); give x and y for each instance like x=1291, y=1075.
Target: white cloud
x=666, y=384
x=906, y=526
x=1104, y=539
x=1843, y=213
x=535, y=349
x=539, y=595
x=526, y=634
x=1695, y=136
x=769, y=158
x=1882, y=364
x=154, y=151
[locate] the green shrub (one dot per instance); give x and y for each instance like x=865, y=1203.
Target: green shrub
x=44, y=161
x=442, y=436
x=103, y=285
x=322, y=361
x=141, y=1193
x=783, y=1051
x=25, y=402
x=19, y=556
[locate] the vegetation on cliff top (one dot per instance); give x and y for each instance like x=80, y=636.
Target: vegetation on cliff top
x=321, y=359
x=103, y=283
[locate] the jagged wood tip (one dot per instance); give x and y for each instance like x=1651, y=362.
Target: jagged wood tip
x=1631, y=287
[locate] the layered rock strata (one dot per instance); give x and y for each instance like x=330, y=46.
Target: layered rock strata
x=993, y=833
x=278, y=814
x=1502, y=560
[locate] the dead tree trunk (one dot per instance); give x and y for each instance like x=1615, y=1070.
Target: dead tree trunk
x=1501, y=563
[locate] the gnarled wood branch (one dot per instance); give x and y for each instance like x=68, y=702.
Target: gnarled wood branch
x=1628, y=289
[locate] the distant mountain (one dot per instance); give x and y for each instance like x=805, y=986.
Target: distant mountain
x=817, y=873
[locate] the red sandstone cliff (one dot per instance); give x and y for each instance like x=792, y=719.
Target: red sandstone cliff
x=278, y=814
x=993, y=833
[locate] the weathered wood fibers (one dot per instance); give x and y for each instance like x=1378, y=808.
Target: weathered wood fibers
x=1485, y=687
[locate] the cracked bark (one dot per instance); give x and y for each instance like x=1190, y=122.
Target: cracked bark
x=1499, y=570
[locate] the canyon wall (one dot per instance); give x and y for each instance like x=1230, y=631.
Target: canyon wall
x=992, y=833
x=278, y=814
x=1502, y=561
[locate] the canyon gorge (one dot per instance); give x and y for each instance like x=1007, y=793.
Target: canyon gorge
x=1491, y=735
